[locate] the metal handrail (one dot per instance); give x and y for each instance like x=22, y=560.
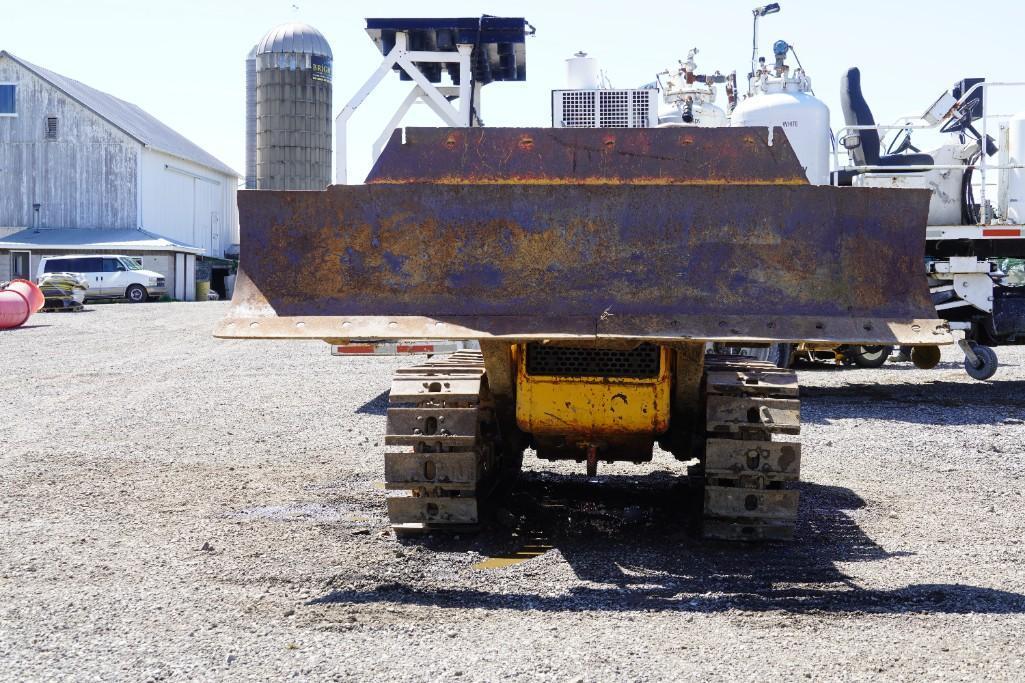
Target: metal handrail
x=931, y=167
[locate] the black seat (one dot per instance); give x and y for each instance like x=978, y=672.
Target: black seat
x=857, y=113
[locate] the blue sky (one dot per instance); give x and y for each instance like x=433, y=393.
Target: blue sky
x=183, y=60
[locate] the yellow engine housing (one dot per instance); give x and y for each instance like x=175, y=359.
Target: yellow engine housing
x=589, y=410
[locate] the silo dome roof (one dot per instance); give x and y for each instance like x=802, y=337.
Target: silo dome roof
x=295, y=37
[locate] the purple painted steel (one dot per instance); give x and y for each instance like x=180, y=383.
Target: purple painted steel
x=650, y=156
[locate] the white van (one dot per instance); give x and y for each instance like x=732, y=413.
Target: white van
x=109, y=277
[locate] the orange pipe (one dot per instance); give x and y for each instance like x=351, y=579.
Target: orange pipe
x=18, y=302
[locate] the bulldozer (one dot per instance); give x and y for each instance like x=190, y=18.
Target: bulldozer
x=594, y=267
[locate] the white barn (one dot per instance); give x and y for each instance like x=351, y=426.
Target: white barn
x=82, y=171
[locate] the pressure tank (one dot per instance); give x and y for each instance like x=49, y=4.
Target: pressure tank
x=784, y=102
x=693, y=113
x=293, y=109
x=1016, y=176
x=582, y=72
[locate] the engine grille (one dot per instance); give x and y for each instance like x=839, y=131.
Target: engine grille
x=566, y=361
x=604, y=108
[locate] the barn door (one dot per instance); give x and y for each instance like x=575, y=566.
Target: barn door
x=215, y=233
x=203, y=206
x=20, y=265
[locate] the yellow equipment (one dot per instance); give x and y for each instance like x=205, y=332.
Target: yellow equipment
x=593, y=266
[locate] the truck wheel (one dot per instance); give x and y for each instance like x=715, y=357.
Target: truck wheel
x=136, y=294
x=988, y=363
x=870, y=356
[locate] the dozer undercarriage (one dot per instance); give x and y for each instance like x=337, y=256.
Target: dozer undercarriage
x=593, y=266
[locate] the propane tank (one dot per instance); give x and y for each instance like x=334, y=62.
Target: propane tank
x=781, y=98
x=582, y=72
x=689, y=99
x=1016, y=176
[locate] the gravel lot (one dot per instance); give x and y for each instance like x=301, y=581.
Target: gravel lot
x=178, y=507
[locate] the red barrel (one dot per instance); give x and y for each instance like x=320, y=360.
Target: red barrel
x=18, y=302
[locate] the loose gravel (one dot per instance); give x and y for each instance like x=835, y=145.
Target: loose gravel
x=179, y=507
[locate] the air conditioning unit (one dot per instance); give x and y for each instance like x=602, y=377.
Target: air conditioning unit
x=605, y=108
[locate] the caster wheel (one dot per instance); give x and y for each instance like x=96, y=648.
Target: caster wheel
x=988, y=363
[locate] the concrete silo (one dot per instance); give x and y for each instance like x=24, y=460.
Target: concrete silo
x=293, y=109
x=251, y=119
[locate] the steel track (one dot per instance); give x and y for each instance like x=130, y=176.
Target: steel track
x=745, y=472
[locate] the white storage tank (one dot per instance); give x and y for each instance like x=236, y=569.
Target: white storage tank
x=785, y=102
x=1016, y=176
x=582, y=72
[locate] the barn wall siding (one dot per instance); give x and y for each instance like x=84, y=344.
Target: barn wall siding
x=189, y=203
x=86, y=178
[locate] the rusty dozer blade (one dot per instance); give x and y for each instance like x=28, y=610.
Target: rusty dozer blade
x=635, y=156
x=571, y=237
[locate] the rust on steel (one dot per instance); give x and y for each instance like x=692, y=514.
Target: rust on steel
x=706, y=262
x=649, y=156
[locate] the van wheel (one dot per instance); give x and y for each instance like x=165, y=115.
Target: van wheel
x=136, y=294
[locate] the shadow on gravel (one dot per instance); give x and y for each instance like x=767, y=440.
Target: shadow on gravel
x=967, y=402
x=378, y=405
x=626, y=539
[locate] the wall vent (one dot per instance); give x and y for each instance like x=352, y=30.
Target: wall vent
x=51, y=127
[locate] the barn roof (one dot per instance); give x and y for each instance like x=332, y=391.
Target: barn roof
x=129, y=118
x=129, y=239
